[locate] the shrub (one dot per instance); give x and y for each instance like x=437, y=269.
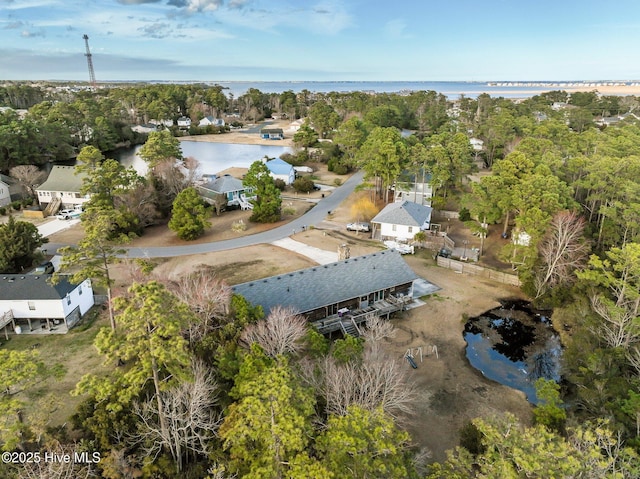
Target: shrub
x=3, y=211
x=303, y=184
x=27, y=202
x=280, y=184
x=238, y=226
x=289, y=211
x=337, y=182
x=464, y=214
x=16, y=205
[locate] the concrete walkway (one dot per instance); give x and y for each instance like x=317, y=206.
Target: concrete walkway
x=318, y=255
x=55, y=225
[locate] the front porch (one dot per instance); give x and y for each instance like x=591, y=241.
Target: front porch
x=349, y=322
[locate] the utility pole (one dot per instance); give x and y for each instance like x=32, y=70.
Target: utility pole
x=92, y=75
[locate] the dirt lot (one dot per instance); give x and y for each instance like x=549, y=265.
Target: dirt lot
x=450, y=391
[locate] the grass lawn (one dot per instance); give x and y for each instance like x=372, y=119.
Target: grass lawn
x=75, y=353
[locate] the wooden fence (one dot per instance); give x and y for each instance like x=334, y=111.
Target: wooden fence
x=476, y=270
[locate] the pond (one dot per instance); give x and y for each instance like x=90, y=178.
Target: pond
x=213, y=157
x=514, y=345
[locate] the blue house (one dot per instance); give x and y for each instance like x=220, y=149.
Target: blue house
x=228, y=186
x=282, y=170
x=272, y=134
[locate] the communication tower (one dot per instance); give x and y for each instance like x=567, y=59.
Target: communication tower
x=92, y=75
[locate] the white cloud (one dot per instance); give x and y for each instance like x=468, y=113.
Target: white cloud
x=396, y=28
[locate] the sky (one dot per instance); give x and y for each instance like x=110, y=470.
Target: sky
x=321, y=40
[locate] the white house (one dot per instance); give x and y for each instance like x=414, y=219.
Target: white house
x=280, y=169
x=64, y=184
x=29, y=302
x=401, y=221
x=211, y=121
x=419, y=192
x=184, y=122
x=5, y=194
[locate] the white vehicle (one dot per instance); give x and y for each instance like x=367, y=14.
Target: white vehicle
x=68, y=214
x=401, y=248
x=359, y=227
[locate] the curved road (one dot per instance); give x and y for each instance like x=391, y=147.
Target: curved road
x=312, y=217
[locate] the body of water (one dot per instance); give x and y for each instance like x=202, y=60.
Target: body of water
x=451, y=89
x=213, y=157
x=514, y=345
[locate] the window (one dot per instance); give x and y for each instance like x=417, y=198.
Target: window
x=80, y=290
x=393, y=227
x=68, y=299
x=410, y=229
x=32, y=305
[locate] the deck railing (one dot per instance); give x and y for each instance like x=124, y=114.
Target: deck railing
x=349, y=322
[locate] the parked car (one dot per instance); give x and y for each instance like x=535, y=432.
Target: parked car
x=359, y=227
x=68, y=214
x=44, y=268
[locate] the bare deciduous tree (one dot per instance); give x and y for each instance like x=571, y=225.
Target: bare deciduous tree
x=29, y=176
x=562, y=252
x=176, y=176
x=620, y=327
x=141, y=202
x=281, y=332
x=59, y=469
x=190, y=415
x=634, y=358
x=205, y=294
x=377, y=381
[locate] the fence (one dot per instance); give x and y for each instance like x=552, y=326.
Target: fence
x=476, y=270
x=454, y=215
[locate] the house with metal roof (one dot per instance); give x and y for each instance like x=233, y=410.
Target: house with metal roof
x=401, y=221
x=64, y=184
x=338, y=296
x=228, y=186
x=30, y=303
x=280, y=169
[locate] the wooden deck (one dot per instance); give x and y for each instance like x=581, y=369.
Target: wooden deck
x=350, y=323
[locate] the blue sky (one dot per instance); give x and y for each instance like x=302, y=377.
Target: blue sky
x=297, y=40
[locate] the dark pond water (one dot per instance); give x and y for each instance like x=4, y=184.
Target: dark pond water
x=514, y=345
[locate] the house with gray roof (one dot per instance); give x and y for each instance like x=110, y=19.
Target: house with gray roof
x=31, y=303
x=338, y=295
x=401, y=221
x=272, y=134
x=228, y=186
x=62, y=183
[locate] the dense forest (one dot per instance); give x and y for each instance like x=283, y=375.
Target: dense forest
x=203, y=385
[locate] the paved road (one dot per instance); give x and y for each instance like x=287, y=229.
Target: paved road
x=312, y=217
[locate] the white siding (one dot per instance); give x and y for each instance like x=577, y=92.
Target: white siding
x=81, y=296
x=52, y=308
x=49, y=308
x=400, y=232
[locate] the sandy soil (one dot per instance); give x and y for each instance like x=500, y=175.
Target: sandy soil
x=249, y=138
